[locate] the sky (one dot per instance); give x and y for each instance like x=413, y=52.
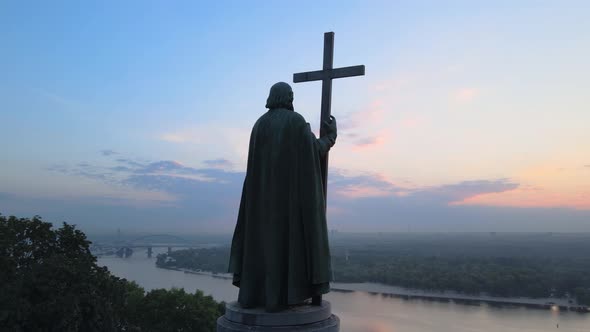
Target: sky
x=472, y=115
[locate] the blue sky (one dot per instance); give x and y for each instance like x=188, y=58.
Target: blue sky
x=471, y=116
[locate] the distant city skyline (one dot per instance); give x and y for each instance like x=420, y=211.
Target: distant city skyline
x=134, y=115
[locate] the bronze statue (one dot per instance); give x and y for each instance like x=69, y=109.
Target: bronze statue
x=280, y=254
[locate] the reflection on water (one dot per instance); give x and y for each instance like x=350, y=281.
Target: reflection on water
x=364, y=312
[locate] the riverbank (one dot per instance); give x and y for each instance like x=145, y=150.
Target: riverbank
x=199, y=272
x=361, y=311
x=562, y=304
x=404, y=293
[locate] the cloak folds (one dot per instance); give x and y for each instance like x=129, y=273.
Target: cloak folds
x=280, y=254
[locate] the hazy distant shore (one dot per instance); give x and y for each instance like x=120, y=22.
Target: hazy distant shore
x=381, y=289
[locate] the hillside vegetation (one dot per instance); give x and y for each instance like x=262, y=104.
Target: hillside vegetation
x=51, y=282
x=508, y=265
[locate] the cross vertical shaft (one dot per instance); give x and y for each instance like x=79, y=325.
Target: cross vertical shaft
x=326, y=103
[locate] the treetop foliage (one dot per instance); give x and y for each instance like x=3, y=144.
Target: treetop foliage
x=51, y=282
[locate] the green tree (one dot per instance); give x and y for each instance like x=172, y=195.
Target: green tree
x=176, y=310
x=51, y=282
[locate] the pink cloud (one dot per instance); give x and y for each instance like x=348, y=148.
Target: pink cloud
x=371, y=141
x=465, y=95
x=531, y=198
x=374, y=112
x=368, y=142
x=370, y=114
x=413, y=122
x=410, y=123
x=363, y=191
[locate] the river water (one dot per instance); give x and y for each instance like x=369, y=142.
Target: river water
x=363, y=312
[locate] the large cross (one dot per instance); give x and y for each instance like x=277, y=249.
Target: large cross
x=326, y=75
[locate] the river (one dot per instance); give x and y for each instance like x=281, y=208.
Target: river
x=365, y=312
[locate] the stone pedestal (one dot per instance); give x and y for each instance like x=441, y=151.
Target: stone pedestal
x=303, y=318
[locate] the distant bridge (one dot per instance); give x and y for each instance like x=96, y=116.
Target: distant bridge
x=125, y=248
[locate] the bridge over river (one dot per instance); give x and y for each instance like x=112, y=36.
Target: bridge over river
x=126, y=248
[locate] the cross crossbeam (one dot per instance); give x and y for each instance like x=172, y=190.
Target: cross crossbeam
x=319, y=75
x=326, y=75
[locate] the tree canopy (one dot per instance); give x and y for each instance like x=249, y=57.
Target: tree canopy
x=51, y=282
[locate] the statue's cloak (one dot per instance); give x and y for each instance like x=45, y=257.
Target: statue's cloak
x=280, y=254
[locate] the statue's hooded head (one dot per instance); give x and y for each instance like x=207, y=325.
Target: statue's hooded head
x=280, y=96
